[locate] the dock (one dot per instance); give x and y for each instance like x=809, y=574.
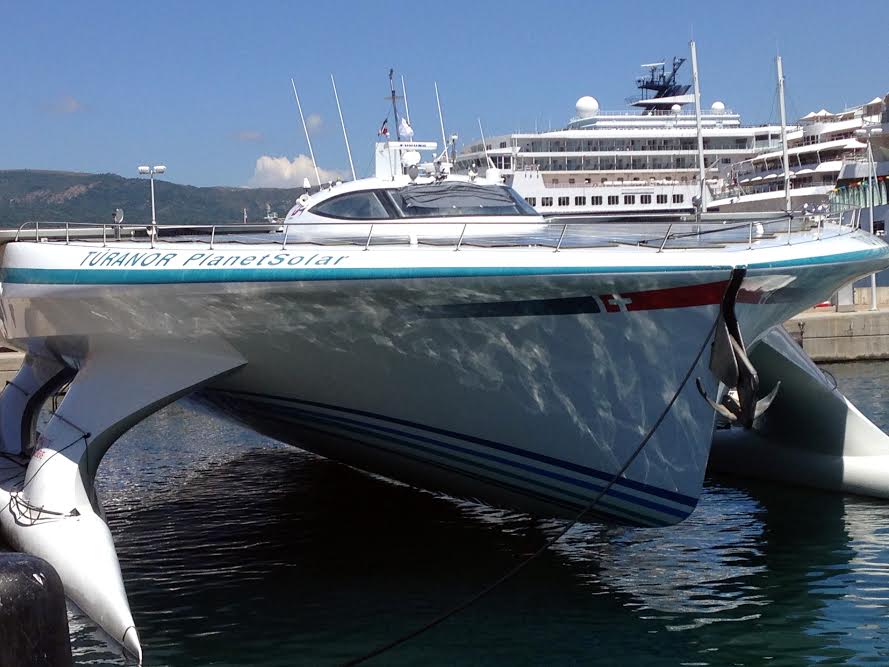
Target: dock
x=856, y=334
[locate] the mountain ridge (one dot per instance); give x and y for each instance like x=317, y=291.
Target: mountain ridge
x=68, y=196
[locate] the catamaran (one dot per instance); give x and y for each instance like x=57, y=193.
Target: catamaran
x=556, y=371
x=428, y=327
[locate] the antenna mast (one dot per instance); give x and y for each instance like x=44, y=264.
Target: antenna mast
x=306, y=130
x=407, y=111
x=783, y=135
x=484, y=143
x=697, y=85
x=343, y=124
x=394, y=97
x=444, y=139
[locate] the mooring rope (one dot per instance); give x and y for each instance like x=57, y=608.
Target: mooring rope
x=553, y=540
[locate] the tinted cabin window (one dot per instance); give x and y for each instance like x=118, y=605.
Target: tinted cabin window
x=353, y=206
x=459, y=198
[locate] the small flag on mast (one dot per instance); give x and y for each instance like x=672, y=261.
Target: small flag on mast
x=384, y=129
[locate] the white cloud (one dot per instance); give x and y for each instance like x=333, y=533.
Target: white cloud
x=281, y=172
x=314, y=122
x=65, y=104
x=248, y=135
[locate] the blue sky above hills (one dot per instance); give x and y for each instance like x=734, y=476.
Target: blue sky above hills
x=205, y=86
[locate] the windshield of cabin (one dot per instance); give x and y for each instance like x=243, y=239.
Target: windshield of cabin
x=439, y=200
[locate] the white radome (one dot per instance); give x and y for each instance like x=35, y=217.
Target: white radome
x=587, y=106
x=717, y=106
x=676, y=108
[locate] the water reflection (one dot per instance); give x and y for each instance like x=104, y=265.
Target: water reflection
x=237, y=551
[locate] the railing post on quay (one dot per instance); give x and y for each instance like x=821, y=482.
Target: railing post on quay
x=369, y=234
x=284, y=240
x=104, y=235
x=789, y=227
x=212, y=236
x=67, y=234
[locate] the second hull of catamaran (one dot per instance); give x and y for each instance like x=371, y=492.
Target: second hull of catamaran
x=519, y=376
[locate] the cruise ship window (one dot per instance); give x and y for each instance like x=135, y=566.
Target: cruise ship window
x=662, y=199
x=629, y=199
x=613, y=200
x=353, y=206
x=580, y=201
x=645, y=199
x=678, y=199
x=596, y=200
x=563, y=201
x=531, y=200
x=571, y=181
x=546, y=201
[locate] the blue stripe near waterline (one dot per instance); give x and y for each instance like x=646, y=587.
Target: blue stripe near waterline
x=640, y=487
x=673, y=496
x=411, y=440
x=541, y=492
x=523, y=485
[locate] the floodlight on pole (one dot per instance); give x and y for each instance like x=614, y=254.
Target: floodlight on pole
x=145, y=170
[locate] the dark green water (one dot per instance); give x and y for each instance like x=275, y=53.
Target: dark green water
x=237, y=551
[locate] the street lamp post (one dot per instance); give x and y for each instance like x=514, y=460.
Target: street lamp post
x=145, y=170
x=869, y=133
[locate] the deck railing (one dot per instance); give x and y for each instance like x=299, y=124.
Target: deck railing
x=662, y=232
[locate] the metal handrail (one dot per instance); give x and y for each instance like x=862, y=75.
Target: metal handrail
x=717, y=225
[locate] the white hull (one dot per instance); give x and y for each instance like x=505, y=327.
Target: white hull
x=556, y=382
x=487, y=373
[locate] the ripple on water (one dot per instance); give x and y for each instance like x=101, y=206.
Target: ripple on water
x=238, y=551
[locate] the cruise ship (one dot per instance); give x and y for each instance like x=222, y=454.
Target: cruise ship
x=641, y=160
x=817, y=148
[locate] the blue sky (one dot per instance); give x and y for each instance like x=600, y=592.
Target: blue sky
x=205, y=86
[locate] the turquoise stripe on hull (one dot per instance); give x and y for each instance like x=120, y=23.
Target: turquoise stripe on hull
x=175, y=276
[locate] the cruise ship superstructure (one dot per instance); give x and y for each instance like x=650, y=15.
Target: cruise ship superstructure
x=817, y=147
x=641, y=160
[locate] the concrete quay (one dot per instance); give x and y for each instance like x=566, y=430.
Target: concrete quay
x=856, y=335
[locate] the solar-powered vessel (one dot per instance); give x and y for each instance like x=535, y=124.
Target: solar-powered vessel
x=421, y=326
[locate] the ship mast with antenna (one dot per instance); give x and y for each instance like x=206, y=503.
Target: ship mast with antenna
x=306, y=130
x=394, y=97
x=343, y=124
x=702, y=174
x=784, y=158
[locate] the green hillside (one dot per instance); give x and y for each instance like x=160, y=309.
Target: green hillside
x=68, y=196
